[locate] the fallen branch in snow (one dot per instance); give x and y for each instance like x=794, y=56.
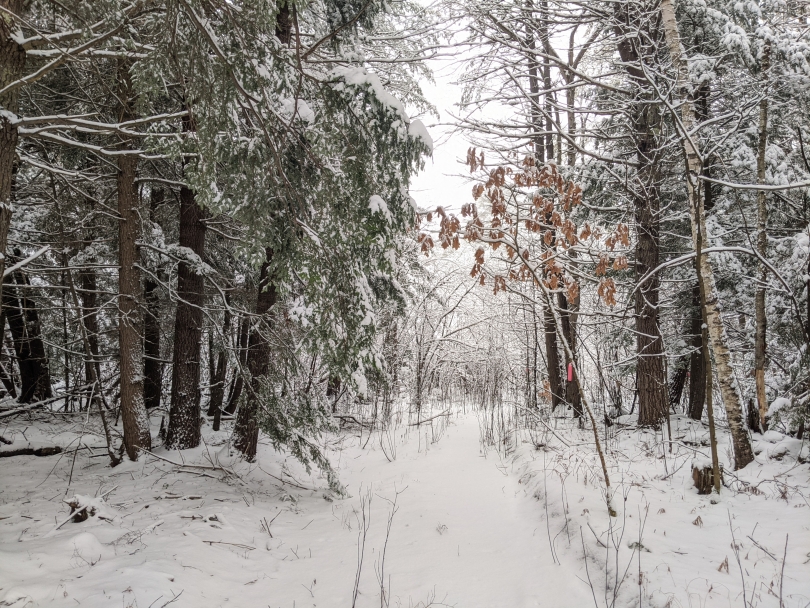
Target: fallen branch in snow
x=552, y=431
x=287, y=482
x=31, y=406
x=352, y=419
x=29, y=451
x=205, y=467
x=219, y=542
x=418, y=422
x=77, y=512
x=771, y=555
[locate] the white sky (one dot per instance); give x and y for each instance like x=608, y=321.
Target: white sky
x=442, y=181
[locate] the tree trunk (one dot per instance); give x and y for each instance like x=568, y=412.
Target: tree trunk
x=760, y=356
x=676, y=385
x=152, y=365
x=220, y=370
x=88, y=296
x=650, y=371
x=133, y=411
x=12, y=62
x=246, y=430
x=568, y=317
x=239, y=381
x=26, y=331
x=552, y=358
x=743, y=453
x=183, y=431
x=697, y=365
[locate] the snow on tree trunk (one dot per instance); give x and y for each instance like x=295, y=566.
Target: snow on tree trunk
x=760, y=358
x=743, y=453
x=133, y=412
x=183, y=431
x=12, y=61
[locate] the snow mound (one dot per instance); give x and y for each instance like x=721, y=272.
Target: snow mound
x=777, y=405
x=417, y=129
x=377, y=205
x=86, y=547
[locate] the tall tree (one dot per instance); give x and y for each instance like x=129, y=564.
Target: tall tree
x=184, y=414
x=130, y=317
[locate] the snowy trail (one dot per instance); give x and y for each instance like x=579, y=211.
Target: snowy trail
x=494, y=550
x=465, y=533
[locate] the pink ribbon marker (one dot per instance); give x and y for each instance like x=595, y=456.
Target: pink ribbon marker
x=570, y=372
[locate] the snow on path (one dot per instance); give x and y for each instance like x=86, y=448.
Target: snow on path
x=464, y=533
x=465, y=527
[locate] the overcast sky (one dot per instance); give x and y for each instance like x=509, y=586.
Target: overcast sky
x=441, y=182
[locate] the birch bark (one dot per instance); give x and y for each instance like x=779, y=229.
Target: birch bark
x=743, y=453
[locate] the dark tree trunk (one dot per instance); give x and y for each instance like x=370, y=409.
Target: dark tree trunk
x=130, y=321
x=543, y=149
x=12, y=62
x=88, y=294
x=6, y=366
x=23, y=321
x=152, y=364
x=183, y=431
x=569, y=328
x=697, y=364
x=246, y=430
x=651, y=374
x=676, y=384
x=650, y=371
x=552, y=358
x=239, y=381
x=333, y=391
x=220, y=370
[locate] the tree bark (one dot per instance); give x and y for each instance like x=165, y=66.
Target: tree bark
x=239, y=381
x=152, y=365
x=760, y=356
x=543, y=148
x=183, y=431
x=23, y=321
x=12, y=62
x=130, y=322
x=650, y=370
x=676, y=385
x=743, y=454
x=246, y=430
x=568, y=316
x=220, y=369
x=697, y=365
x=552, y=358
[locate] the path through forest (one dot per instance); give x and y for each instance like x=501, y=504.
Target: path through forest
x=464, y=534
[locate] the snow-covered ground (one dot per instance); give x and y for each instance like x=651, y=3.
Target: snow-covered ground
x=505, y=527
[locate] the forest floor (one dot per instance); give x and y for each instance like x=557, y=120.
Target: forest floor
x=446, y=523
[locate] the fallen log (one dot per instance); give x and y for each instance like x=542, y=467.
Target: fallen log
x=29, y=451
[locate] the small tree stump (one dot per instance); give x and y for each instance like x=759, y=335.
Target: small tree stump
x=703, y=476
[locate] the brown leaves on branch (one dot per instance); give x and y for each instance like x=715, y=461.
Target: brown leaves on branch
x=507, y=189
x=607, y=291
